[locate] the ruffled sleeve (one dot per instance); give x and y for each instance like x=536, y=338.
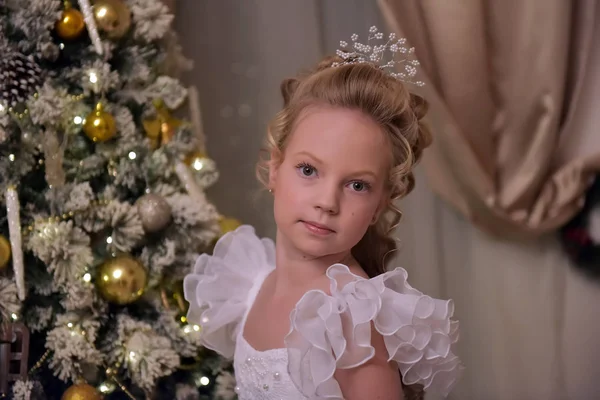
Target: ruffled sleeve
x=331, y=332
x=218, y=287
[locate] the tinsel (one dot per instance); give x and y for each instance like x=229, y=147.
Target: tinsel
x=53, y=153
x=188, y=181
x=90, y=23
x=14, y=227
x=196, y=118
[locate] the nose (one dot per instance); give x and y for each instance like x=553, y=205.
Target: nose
x=327, y=199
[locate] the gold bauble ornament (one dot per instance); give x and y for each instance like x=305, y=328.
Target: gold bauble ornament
x=113, y=17
x=71, y=23
x=121, y=280
x=99, y=125
x=228, y=224
x=161, y=128
x=81, y=391
x=4, y=252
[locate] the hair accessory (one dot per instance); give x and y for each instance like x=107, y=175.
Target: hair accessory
x=376, y=54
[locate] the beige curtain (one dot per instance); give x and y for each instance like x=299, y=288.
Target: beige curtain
x=515, y=88
x=504, y=78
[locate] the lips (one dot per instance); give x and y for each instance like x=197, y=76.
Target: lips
x=317, y=228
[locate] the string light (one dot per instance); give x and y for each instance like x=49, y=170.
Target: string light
x=198, y=164
x=40, y=362
x=78, y=120
x=132, y=155
x=20, y=115
x=106, y=387
x=109, y=240
x=87, y=277
x=75, y=330
x=190, y=328
x=93, y=77
x=11, y=157
x=201, y=381
x=14, y=316
x=110, y=372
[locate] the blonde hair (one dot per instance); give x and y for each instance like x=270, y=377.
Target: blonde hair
x=389, y=104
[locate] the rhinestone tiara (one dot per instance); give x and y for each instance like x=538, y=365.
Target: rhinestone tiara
x=375, y=52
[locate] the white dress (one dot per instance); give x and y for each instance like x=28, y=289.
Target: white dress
x=326, y=331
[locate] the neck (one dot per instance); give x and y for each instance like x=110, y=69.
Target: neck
x=298, y=269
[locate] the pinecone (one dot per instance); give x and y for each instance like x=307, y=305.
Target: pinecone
x=20, y=77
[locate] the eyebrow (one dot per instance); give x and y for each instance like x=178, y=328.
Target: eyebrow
x=365, y=173
x=318, y=161
x=307, y=154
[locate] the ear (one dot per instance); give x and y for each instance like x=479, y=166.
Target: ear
x=288, y=87
x=274, y=164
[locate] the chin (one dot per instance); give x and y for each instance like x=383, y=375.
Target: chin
x=316, y=247
x=313, y=250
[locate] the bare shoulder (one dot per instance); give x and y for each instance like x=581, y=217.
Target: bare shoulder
x=377, y=379
x=356, y=269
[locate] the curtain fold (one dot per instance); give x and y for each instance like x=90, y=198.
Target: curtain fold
x=501, y=78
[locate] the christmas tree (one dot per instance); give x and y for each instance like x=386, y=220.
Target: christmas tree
x=102, y=206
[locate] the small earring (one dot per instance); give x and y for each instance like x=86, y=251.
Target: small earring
x=270, y=190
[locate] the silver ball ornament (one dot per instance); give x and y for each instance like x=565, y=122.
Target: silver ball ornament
x=154, y=211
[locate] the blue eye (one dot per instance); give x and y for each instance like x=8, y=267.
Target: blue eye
x=306, y=169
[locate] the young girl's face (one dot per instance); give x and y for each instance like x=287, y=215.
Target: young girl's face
x=330, y=183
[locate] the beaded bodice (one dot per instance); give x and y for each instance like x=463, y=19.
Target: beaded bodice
x=263, y=374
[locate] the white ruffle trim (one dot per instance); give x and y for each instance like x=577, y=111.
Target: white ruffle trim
x=331, y=332
x=217, y=289
x=327, y=332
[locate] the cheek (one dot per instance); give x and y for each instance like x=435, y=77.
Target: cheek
x=287, y=197
x=361, y=217
x=360, y=211
x=357, y=222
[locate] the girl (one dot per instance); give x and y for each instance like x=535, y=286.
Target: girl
x=316, y=315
